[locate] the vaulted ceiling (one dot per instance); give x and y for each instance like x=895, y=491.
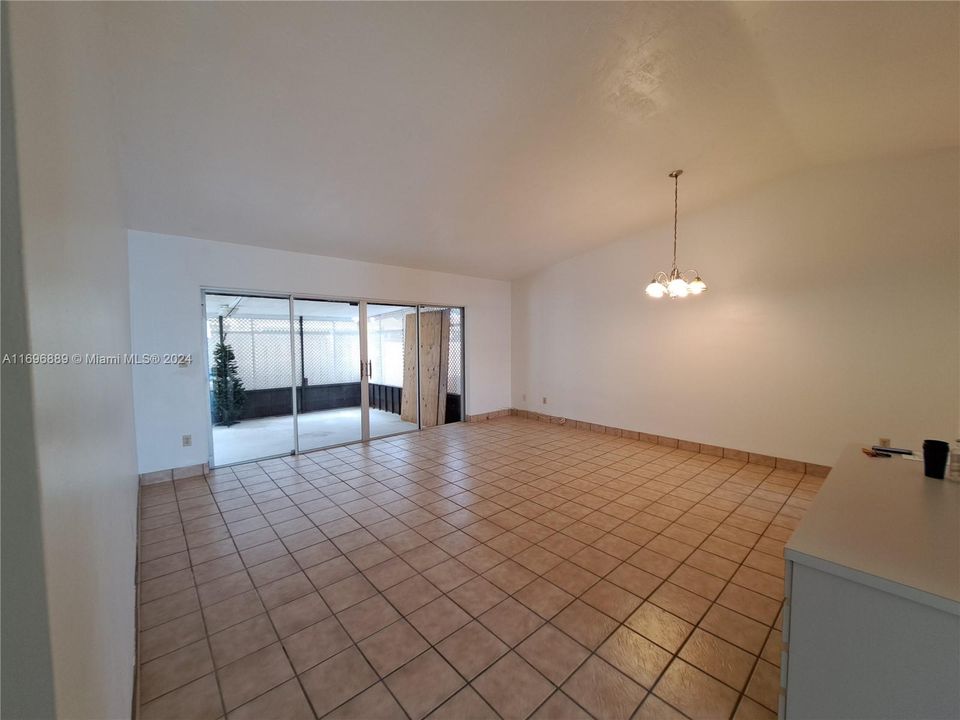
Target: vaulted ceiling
x=493, y=139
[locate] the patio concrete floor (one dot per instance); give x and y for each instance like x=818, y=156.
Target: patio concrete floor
x=263, y=437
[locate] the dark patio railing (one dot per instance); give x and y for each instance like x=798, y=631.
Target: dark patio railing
x=271, y=402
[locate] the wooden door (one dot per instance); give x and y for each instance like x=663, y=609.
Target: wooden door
x=434, y=356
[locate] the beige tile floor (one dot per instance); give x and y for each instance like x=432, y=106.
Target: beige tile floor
x=506, y=569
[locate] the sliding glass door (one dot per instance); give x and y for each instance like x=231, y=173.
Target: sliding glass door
x=251, y=377
x=329, y=397
x=291, y=374
x=392, y=368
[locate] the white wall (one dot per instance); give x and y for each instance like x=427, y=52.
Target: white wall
x=75, y=273
x=832, y=317
x=26, y=665
x=166, y=277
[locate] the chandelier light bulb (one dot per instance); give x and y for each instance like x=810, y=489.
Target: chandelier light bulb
x=697, y=286
x=678, y=288
x=656, y=289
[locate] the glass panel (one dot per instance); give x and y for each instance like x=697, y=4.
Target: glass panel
x=327, y=344
x=441, y=365
x=248, y=343
x=392, y=351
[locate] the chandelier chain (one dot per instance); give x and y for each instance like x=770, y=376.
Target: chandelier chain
x=676, y=195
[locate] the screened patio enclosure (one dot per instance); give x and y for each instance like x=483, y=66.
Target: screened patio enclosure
x=291, y=374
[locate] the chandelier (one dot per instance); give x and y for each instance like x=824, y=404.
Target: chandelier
x=676, y=284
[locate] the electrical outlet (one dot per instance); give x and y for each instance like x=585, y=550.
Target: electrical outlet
x=544, y=399
x=187, y=440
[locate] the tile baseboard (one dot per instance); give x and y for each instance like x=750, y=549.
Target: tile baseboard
x=490, y=415
x=180, y=473
x=779, y=463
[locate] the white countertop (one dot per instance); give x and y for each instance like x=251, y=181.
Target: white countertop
x=880, y=521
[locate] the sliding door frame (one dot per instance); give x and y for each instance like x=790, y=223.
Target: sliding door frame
x=293, y=376
x=204, y=291
x=362, y=302
x=364, y=414
x=416, y=311
x=364, y=374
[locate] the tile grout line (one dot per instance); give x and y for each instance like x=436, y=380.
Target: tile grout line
x=266, y=612
x=674, y=655
x=741, y=694
x=203, y=619
x=279, y=639
x=503, y=530
x=621, y=623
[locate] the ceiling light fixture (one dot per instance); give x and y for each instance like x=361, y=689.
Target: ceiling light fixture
x=676, y=284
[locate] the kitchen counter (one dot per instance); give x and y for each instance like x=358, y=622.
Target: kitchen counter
x=881, y=522
x=871, y=625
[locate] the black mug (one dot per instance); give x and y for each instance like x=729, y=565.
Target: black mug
x=935, y=454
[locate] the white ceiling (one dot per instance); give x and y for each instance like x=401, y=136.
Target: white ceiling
x=493, y=139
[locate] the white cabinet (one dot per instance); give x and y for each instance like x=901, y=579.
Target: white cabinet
x=872, y=617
